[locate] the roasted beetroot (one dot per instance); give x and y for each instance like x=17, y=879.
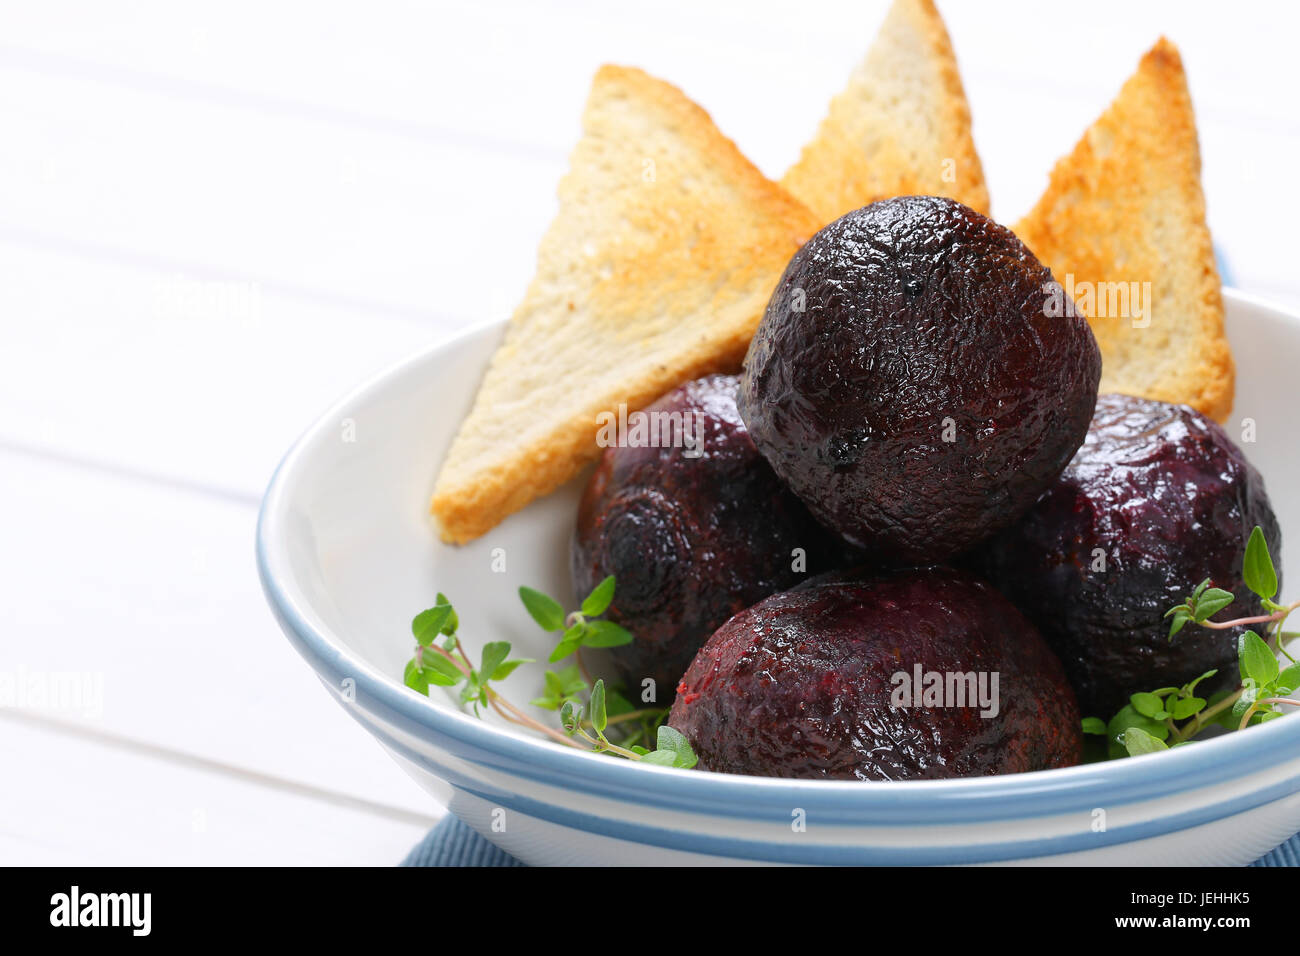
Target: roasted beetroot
x=691, y=534
x=810, y=683
x=909, y=383
x=1157, y=500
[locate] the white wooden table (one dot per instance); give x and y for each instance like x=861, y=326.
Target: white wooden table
x=216, y=217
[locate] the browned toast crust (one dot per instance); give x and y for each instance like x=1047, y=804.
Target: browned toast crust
x=1127, y=206
x=643, y=282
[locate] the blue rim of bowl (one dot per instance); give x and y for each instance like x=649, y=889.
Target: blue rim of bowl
x=992, y=799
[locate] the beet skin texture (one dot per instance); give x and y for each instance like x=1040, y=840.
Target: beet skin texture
x=809, y=683
x=1156, y=501
x=912, y=382
x=691, y=536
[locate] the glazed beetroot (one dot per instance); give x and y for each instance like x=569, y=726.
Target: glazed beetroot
x=908, y=382
x=1157, y=500
x=690, y=540
x=803, y=684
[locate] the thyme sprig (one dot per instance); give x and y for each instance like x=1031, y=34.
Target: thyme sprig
x=590, y=714
x=1173, y=716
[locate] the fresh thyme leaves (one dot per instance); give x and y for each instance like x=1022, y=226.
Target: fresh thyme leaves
x=1152, y=714
x=578, y=631
x=561, y=686
x=1257, y=569
x=671, y=747
x=1173, y=716
x=545, y=610
x=1200, y=604
x=600, y=598
x=593, y=717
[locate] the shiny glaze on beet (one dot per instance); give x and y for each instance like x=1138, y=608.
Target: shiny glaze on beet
x=800, y=684
x=1169, y=500
x=897, y=321
x=690, y=541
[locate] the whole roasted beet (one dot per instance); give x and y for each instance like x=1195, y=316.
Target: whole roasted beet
x=1157, y=500
x=909, y=383
x=691, y=534
x=814, y=683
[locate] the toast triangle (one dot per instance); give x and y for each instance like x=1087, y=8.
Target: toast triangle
x=1126, y=206
x=900, y=127
x=656, y=270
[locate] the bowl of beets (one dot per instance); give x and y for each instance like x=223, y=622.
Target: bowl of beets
x=904, y=589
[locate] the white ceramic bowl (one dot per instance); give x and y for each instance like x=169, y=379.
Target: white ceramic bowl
x=347, y=556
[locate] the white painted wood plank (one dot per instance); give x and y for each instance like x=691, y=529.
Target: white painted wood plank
x=72, y=802
x=407, y=155
x=379, y=221
x=198, y=379
x=437, y=66
x=150, y=591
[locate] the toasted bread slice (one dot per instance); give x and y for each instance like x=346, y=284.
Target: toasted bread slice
x=656, y=270
x=1126, y=207
x=901, y=127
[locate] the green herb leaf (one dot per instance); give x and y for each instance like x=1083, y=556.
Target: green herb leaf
x=1288, y=682
x=553, y=696
x=1181, y=615
x=415, y=677
x=1255, y=659
x=1148, y=705
x=435, y=670
x=1126, y=719
x=1248, y=694
x=543, y=609
x=472, y=692
x=561, y=685
x=452, y=622
x=427, y=625
x=599, y=719
x=508, y=668
x=1187, y=707
x=1212, y=602
x=1257, y=568
x=448, y=673
x=676, y=743
x=571, y=641
x=1137, y=741
x=598, y=601
x=606, y=634
x=570, y=716
x=494, y=655
x=660, y=758
x=1094, y=725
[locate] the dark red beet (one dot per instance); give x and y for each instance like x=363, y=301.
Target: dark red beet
x=690, y=541
x=1162, y=496
x=800, y=684
x=907, y=383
